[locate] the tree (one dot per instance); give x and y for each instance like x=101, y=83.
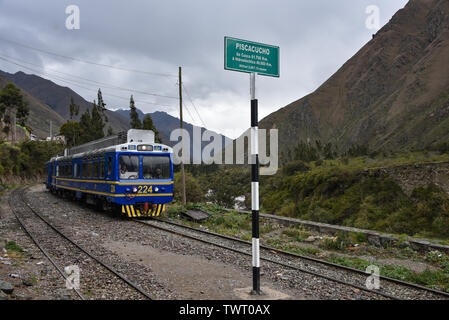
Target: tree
x=102, y=106
x=148, y=125
x=97, y=124
x=91, y=124
x=72, y=131
x=110, y=131
x=74, y=108
x=85, y=126
x=133, y=115
x=12, y=103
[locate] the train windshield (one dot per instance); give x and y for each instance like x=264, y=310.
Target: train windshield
x=129, y=167
x=156, y=167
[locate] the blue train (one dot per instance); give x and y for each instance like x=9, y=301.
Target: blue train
x=127, y=173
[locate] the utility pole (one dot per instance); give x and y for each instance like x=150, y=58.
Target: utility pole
x=183, y=178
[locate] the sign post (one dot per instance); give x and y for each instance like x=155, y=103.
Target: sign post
x=254, y=58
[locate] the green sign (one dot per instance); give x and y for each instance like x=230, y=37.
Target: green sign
x=247, y=56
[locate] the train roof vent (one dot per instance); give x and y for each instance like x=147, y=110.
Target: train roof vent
x=144, y=136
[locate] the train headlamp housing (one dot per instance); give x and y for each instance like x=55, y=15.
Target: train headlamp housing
x=156, y=189
x=134, y=190
x=145, y=147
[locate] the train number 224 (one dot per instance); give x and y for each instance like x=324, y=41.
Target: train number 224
x=144, y=189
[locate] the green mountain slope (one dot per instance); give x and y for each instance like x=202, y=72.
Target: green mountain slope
x=392, y=94
x=40, y=114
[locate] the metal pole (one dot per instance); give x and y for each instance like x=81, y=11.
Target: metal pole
x=183, y=178
x=255, y=186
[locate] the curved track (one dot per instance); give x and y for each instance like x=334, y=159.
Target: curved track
x=19, y=199
x=390, y=288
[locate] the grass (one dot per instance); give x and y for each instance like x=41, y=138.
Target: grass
x=296, y=234
x=14, y=250
x=12, y=246
x=433, y=279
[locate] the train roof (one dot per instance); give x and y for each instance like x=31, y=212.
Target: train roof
x=134, y=139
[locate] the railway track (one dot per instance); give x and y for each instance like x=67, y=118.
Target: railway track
x=389, y=288
x=58, y=247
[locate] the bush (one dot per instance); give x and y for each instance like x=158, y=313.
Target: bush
x=358, y=198
x=293, y=167
x=194, y=191
x=25, y=160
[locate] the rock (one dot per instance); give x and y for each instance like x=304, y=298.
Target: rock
x=310, y=239
x=374, y=241
x=6, y=287
x=3, y=296
x=404, y=244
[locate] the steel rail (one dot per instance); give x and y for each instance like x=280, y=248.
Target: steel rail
x=44, y=252
x=109, y=268
x=386, y=295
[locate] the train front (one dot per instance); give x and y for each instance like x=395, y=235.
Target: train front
x=145, y=175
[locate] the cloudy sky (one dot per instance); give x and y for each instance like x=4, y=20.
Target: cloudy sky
x=155, y=37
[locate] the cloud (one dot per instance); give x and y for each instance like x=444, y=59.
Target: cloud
x=315, y=37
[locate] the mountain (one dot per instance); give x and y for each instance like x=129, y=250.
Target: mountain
x=166, y=123
x=58, y=98
x=40, y=114
x=392, y=94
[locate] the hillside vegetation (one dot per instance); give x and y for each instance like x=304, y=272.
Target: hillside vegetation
x=344, y=192
x=25, y=161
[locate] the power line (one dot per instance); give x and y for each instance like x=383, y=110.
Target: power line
x=185, y=106
x=191, y=101
x=75, y=83
x=88, y=62
x=111, y=86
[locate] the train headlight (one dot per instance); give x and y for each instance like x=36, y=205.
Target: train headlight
x=134, y=190
x=145, y=147
x=156, y=189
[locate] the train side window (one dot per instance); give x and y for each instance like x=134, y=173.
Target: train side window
x=84, y=170
x=110, y=168
x=95, y=165
x=75, y=170
x=102, y=163
x=89, y=170
x=71, y=170
x=57, y=170
x=79, y=171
